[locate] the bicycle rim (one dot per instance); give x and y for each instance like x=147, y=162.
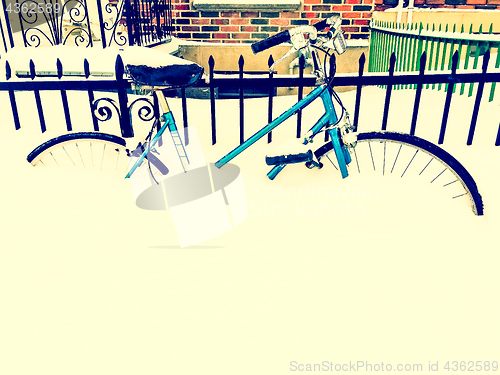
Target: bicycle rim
x=86, y=150
x=391, y=153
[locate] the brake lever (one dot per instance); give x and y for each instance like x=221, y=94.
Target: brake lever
x=298, y=41
x=288, y=54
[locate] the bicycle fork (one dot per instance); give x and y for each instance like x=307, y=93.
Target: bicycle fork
x=341, y=152
x=327, y=123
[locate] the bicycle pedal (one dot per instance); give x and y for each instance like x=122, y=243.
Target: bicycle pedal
x=289, y=159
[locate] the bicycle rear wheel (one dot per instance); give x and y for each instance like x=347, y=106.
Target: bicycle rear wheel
x=88, y=150
x=403, y=154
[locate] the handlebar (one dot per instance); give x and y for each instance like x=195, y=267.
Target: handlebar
x=284, y=36
x=272, y=41
x=321, y=25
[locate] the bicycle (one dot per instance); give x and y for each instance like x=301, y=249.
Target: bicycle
x=342, y=140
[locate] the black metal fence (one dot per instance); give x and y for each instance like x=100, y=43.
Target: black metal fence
x=103, y=109
x=148, y=21
x=86, y=23
x=389, y=80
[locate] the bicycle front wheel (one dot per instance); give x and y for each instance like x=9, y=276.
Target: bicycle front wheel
x=403, y=154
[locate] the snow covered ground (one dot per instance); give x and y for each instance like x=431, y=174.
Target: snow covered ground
x=378, y=269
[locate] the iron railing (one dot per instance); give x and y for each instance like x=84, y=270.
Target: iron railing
x=103, y=109
x=86, y=23
x=116, y=104
x=440, y=43
x=390, y=79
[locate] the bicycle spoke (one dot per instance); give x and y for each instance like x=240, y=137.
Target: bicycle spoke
x=373, y=162
x=383, y=165
x=103, y=153
x=332, y=162
x=449, y=183
x=409, y=163
x=54, y=159
x=425, y=167
x=81, y=158
x=68, y=155
x=356, y=157
x=438, y=176
x=395, y=160
x=458, y=196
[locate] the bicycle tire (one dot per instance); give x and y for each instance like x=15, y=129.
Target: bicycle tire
x=435, y=152
x=86, y=158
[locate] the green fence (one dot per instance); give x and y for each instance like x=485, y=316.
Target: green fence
x=408, y=42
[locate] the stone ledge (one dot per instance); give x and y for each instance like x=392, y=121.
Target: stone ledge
x=246, y=4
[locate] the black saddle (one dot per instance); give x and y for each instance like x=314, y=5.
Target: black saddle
x=171, y=76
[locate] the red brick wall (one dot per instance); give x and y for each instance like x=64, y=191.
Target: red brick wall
x=381, y=5
x=250, y=26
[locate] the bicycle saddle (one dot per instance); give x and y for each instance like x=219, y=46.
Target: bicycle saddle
x=170, y=76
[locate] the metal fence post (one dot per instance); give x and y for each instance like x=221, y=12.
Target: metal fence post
x=302, y=64
x=447, y=102
x=392, y=64
x=64, y=97
x=101, y=23
x=90, y=93
x=270, y=62
x=125, y=121
x=211, y=65
x=12, y=97
x=418, y=93
x=37, y=98
x=361, y=67
x=241, y=63
x=479, y=95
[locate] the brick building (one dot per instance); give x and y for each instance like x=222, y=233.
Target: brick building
x=244, y=21
x=446, y=4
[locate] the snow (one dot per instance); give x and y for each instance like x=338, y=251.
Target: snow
x=72, y=57
x=370, y=268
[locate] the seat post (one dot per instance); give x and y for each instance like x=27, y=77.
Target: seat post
x=162, y=101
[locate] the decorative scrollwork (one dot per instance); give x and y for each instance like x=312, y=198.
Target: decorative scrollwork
x=112, y=23
x=32, y=38
x=79, y=39
x=102, y=109
x=77, y=12
x=52, y=17
x=32, y=35
x=146, y=110
x=79, y=20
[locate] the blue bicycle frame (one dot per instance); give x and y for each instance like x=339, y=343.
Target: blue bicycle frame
x=328, y=119
x=169, y=123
